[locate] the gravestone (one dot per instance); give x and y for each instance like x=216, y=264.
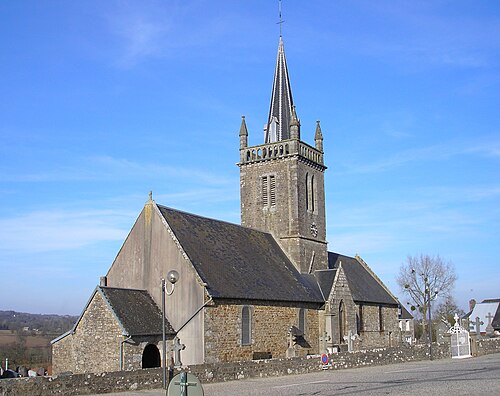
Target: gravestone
x=477, y=324
x=322, y=342
x=178, y=347
x=489, y=329
x=350, y=337
x=460, y=346
x=23, y=371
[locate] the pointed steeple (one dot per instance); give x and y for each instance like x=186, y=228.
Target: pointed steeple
x=243, y=133
x=278, y=122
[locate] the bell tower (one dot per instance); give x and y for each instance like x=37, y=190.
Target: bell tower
x=282, y=181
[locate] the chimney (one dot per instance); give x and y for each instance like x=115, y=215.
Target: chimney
x=103, y=281
x=472, y=304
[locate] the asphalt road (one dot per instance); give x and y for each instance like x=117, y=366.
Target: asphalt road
x=473, y=376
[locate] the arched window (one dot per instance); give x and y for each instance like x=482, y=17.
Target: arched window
x=302, y=320
x=246, y=326
x=307, y=191
x=312, y=193
x=342, y=322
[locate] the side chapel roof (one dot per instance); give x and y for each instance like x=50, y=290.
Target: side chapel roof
x=135, y=311
x=237, y=262
x=365, y=287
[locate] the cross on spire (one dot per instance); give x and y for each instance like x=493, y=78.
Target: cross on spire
x=281, y=20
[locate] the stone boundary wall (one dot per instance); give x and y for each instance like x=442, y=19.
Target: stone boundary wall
x=85, y=384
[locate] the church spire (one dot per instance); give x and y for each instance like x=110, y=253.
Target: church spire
x=280, y=111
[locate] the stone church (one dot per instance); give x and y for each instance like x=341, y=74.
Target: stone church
x=268, y=288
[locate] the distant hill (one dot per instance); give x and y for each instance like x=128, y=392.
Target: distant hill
x=39, y=323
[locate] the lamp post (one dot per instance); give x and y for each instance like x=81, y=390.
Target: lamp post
x=172, y=277
x=429, y=298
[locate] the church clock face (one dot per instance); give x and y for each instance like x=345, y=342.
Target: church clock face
x=314, y=230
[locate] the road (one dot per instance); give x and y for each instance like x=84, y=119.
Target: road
x=474, y=376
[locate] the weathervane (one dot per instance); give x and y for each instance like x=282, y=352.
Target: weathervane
x=281, y=20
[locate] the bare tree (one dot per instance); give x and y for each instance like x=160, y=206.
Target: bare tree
x=424, y=278
x=446, y=311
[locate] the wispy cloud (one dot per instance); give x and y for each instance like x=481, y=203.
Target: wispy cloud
x=44, y=231
x=443, y=151
x=428, y=35
x=111, y=168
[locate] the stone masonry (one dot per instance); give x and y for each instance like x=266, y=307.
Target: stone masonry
x=269, y=332
x=95, y=346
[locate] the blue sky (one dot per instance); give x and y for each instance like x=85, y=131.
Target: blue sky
x=101, y=102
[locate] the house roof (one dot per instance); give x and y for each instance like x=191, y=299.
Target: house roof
x=365, y=287
x=136, y=311
x=238, y=262
x=404, y=313
x=481, y=310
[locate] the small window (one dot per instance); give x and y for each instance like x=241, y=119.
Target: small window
x=380, y=318
x=302, y=320
x=360, y=314
x=246, y=321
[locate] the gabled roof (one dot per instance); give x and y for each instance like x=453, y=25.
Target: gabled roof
x=404, y=313
x=487, y=307
x=325, y=280
x=135, y=311
x=365, y=287
x=238, y=262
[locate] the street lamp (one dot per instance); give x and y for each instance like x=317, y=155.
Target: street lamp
x=172, y=277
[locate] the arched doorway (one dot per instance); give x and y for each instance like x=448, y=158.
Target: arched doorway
x=342, y=322
x=151, y=357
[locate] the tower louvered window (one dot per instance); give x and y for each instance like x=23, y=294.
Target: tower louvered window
x=272, y=185
x=268, y=190
x=265, y=199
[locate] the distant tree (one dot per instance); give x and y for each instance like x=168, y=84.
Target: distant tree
x=423, y=279
x=447, y=309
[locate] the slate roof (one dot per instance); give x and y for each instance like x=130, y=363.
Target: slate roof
x=281, y=99
x=325, y=280
x=364, y=286
x=404, y=313
x=136, y=311
x=238, y=262
x=485, y=308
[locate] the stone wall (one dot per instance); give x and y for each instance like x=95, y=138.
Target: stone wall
x=269, y=329
x=85, y=384
x=372, y=333
x=96, y=345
